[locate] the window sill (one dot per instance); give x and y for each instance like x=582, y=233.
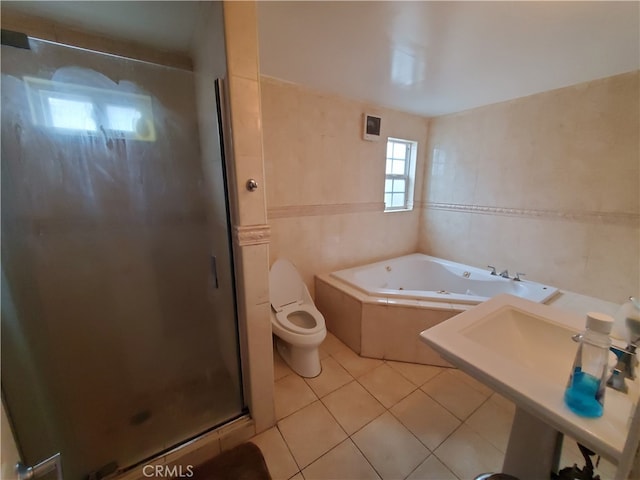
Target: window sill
x=394, y=210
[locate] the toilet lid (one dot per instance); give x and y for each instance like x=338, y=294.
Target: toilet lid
x=285, y=284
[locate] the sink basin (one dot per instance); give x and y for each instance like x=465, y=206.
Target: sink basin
x=523, y=350
x=518, y=336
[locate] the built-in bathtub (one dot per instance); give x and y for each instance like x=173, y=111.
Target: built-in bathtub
x=422, y=277
x=379, y=309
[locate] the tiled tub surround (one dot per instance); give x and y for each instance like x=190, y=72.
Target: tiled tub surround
x=369, y=419
x=388, y=328
x=555, y=175
x=423, y=277
x=378, y=327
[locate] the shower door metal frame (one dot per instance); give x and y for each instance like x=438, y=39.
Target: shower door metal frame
x=51, y=464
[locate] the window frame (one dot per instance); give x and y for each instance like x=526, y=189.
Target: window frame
x=408, y=175
x=40, y=93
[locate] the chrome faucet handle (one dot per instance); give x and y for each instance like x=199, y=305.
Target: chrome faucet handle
x=625, y=367
x=631, y=360
x=493, y=269
x=504, y=273
x=616, y=380
x=517, y=277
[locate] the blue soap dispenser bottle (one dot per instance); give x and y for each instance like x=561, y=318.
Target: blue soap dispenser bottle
x=584, y=394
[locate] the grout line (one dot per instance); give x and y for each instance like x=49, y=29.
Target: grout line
x=472, y=412
x=289, y=449
x=388, y=409
x=432, y=454
x=300, y=408
x=335, y=446
x=418, y=466
x=363, y=455
x=462, y=422
x=423, y=383
x=350, y=436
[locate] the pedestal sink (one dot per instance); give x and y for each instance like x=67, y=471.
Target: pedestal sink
x=523, y=350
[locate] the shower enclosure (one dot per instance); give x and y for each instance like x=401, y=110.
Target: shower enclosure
x=119, y=330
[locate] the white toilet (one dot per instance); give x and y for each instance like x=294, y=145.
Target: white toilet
x=296, y=322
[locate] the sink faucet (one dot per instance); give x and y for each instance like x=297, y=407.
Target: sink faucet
x=625, y=367
x=504, y=273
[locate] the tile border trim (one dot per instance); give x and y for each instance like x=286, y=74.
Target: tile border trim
x=245, y=235
x=605, y=218
x=288, y=211
x=593, y=217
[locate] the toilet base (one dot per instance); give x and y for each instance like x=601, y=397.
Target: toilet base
x=305, y=361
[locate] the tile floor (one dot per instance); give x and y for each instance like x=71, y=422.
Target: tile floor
x=369, y=419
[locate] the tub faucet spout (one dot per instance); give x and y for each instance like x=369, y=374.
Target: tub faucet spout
x=504, y=273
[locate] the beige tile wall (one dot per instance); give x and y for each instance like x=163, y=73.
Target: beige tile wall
x=248, y=209
x=392, y=332
x=546, y=184
x=325, y=183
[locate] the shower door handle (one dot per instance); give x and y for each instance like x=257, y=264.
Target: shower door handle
x=214, y=271
x=51, y=464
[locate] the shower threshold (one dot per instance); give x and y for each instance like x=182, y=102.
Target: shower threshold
x=194, y=451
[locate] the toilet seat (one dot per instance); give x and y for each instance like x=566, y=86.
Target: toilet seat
x=282, y=318
x=289, y=295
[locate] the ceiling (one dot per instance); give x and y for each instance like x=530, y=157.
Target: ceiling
x=433, y=58
x=428, y=58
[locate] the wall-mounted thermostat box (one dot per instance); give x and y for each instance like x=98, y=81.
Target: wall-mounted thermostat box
x=371, y=127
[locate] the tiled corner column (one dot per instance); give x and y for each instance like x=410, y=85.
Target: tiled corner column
x=249, y=217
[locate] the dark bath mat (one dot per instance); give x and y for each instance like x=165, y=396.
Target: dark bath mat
x=244, y=462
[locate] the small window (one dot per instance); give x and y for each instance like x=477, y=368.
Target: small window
x=78, y=109
x=71, y=114
x=399, y=174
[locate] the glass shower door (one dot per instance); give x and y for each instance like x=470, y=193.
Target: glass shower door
x=119, y=332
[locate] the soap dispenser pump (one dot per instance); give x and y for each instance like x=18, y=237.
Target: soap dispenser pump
x=585, y=390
